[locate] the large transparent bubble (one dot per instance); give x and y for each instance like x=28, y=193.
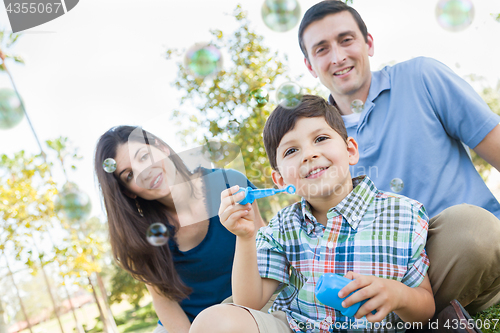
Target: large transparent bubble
x=454, y=15
x=280, y=15
x=203, y=59
x=11, y=112
x=289, y=95
x=73, y=203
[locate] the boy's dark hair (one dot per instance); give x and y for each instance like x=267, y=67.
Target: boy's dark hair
x=282, y=120
x=325, y=8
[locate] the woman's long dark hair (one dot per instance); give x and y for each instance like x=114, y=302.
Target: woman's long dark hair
x=127, y=228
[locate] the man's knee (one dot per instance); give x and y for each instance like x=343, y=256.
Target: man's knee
x=469, y=229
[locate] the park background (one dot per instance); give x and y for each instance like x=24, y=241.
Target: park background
x=105, y=63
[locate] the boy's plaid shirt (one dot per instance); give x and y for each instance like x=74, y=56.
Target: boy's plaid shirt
x=369, y=232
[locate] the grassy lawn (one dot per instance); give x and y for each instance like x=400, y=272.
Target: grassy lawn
x=144, y=319
x=127, y=319
x=489, y=317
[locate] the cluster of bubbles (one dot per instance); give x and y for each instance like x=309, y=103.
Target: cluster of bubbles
x=11, y=112
x=280, y=15
x=357, y=106
x=289, y=95
x=157, y=234
x=397, y=185
x=73, y=203
x=203, y=60
x=109, y=165
x=455, y=15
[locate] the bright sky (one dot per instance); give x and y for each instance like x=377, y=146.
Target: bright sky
x=102, y=65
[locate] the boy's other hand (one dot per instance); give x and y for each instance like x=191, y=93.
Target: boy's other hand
x=382, y=294
x=238, y=219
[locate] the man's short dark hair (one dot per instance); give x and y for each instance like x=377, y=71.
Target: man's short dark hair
x=325, y=8
x=283, y=120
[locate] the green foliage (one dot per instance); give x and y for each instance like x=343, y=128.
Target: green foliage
x=124, y=285
x=489, y=319
x=7, y=39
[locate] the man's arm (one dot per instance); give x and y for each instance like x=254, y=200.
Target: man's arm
x=170, y=313
x=489, y=148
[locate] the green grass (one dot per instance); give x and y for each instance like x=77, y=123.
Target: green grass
x=127, y=319
x=489, y=317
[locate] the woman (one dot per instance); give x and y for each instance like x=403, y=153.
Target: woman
x=151, y=184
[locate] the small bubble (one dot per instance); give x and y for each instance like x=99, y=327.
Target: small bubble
x=454, y=15
x=357, y=106
x=289, y=95
x=157, y=234
x=280, y=15
x=397, y=185
x=233, y=127
x=11, y=112
x=258, y=98
x=203, y=59
x=109, y=165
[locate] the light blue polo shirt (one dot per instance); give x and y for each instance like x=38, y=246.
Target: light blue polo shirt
x=414, y=119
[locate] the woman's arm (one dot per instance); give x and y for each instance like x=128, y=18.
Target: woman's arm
x=171, y=315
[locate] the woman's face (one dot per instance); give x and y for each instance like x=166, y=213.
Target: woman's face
x=145, y=170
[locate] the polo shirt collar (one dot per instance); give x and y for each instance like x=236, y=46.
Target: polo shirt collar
x=380, y=82
x=352, y=207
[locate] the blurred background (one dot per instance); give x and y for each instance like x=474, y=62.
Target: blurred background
x=187, y=71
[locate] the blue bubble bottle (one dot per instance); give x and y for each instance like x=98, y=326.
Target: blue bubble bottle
x=327, y=291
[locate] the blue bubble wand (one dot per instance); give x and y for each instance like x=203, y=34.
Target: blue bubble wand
x=252, y=194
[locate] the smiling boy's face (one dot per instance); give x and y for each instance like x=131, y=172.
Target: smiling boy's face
x=315, y=159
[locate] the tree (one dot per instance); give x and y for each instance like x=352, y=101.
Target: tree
x=124, y=285
x=212, y=104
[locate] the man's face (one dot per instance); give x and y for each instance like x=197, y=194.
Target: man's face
x=338, y=55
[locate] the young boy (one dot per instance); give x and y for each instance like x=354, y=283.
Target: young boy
x=342, y=225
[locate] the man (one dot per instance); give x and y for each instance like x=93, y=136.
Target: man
x=415, y=117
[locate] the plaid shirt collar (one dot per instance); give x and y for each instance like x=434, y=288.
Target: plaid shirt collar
x=352, y=207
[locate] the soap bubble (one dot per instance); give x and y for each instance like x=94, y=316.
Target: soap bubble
x=233, y=127
x=454, y=15
x=357, y=106
x=73, y=203
x=289, y=95
x=11, y=112
x=109, y=165
x=397, y=185
x=220, y=153
x=157, y=234
x=258, y=98
x=280, y=15
x=203, y=59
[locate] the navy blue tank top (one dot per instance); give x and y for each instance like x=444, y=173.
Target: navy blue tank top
x=207, y=267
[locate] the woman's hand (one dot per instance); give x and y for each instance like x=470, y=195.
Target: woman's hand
x=238, y=219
